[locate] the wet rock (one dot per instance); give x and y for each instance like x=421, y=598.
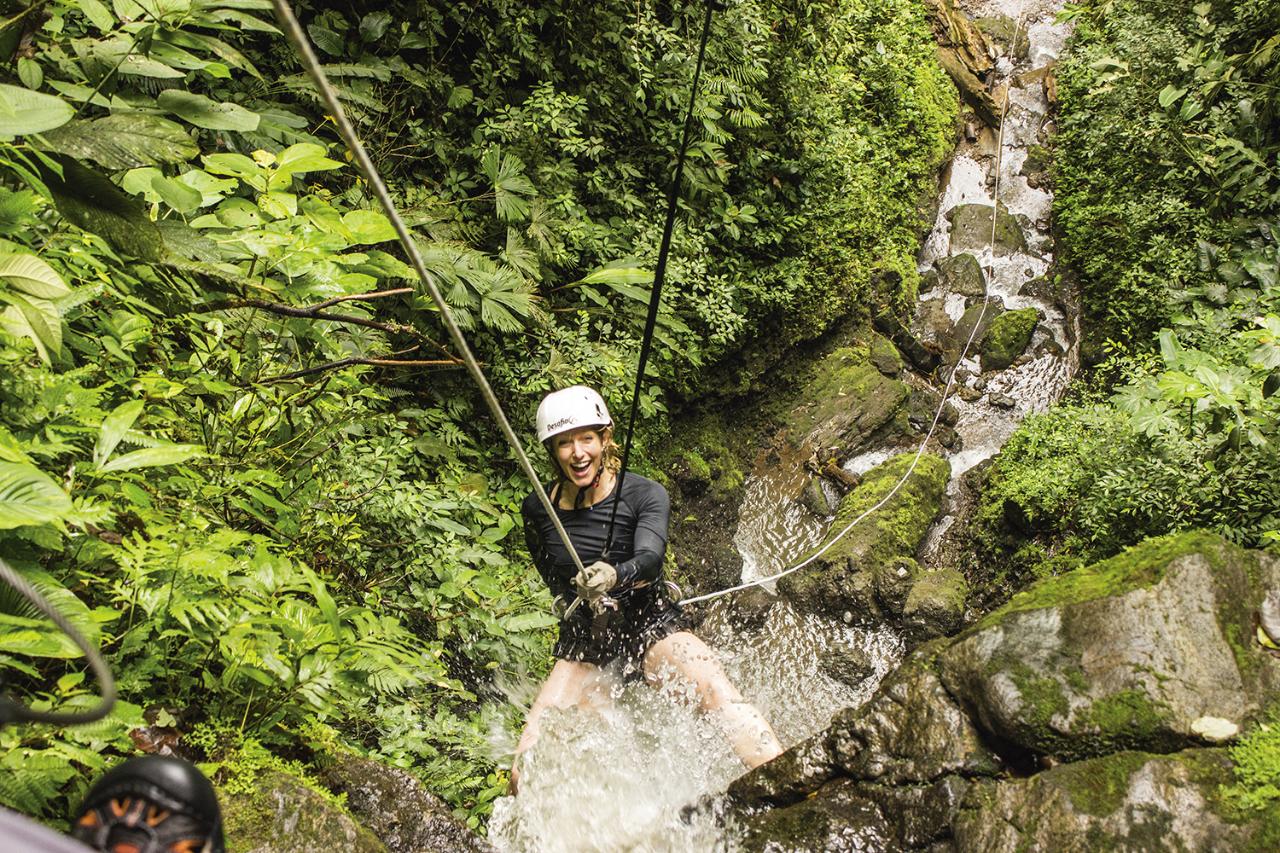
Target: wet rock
x=1036, y=167
x=950, y=414
x=283, y=814
x=814, y=499
x=885, y=356
x=842, y=579
x=1127, y=801
x=399, y=810
x=1045, y=288
x=751, y=608
x=980, y=383
x=965, y=53
x=933, y=320
x=935, y=607
x=928, y=280
x=838, y=817
x=971, y=230
x=969, y=395
x=1128, y=653
x=948, y=438
x=920, y=815
x=921, y=355
x=973, y=326
x=1007, y=337
x=847, y=403
x=962, y=274
x=893, y=582
x=1007, y=35
x=922, y=406
x=1001, y=401
x=847, y=664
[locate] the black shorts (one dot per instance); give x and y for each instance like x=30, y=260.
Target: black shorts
x=644, y=617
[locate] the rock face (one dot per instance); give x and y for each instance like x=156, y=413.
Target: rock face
x=962, y=274
x=399, y=810
x=1130, y=801
x=843, y=580
x=1150, y=652
x=1126, y=654
x=285, y=815
x=971, y=230
x=965, y=53
x=1007, y=338
x=848, y=402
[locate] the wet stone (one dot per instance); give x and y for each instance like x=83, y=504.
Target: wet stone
x=885, y=356
x=928, y=280
x=1003, y=30
x=893, y=581
x=814, y=499
x=962, y=274
x=1007, y=337
x=1001, y=401
x=971, y=229
x=847, y=664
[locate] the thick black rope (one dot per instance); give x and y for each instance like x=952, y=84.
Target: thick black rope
x=660, y=272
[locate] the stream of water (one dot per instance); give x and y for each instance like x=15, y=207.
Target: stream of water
x=618, y=778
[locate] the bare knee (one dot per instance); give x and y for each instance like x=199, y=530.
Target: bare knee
x=688, y=658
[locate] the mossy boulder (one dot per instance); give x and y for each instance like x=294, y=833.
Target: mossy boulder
x=847, y=402
x=972, y=325
x=841, y=580
x=398, y=809
x=962, y=274
x=971, y=230
x=1131, y=653
x=935, y=605
x=1130, y=801
x=1007, y=338
x=885, y=356
x=828, y=821
x=285, y=814
x=1007, y=34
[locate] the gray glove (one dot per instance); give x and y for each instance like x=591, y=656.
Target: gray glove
x=595, y=580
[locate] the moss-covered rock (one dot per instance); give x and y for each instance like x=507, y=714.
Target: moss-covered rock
x=1007, y=338
x=962, y=274
x=885, y=356
x=284, y=814
x=1129, y=653
x=1007, y=34
x=971, y=230
x=1130, y=801
x=398, y=809
x=838, y=817
x=935, y=605
x=841, y=580
x=847, y=402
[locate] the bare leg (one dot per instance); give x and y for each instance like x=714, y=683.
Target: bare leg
x=568, y=685
x=749, y=734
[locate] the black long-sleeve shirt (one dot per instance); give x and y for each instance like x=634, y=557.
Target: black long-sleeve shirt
x=639, y=539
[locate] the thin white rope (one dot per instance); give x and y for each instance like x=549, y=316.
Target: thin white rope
x=946, y=393
x=300, y=42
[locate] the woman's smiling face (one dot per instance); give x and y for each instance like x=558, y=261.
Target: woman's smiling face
x=579, y=453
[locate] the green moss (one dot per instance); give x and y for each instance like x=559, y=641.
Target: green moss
x=885, y=356
x=1126, y=714
x=1137, y=567
x=895, y=528
x=1099, y=786
x=846, y=390
x=1007, y=337
x=1043, y=697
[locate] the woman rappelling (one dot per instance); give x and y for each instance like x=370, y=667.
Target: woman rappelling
x=619, y=607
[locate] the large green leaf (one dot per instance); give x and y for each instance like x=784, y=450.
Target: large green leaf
x=113, y=428
x=206, y=113
x=150, y=457
x=29, y=496
x=33, y=276
x=124, y=141
x=25, y=631
x=23, y=111
x=38, y=319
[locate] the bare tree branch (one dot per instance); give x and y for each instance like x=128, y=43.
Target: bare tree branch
x=376, y=362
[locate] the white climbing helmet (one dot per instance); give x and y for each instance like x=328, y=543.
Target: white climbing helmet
x=571, y=408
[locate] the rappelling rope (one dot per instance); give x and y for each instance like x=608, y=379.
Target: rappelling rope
x=660, y=271
x=294, y=31
x=946, y=393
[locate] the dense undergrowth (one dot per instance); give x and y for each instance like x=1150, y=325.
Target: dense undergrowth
x=234, y=444
x=1167, y=197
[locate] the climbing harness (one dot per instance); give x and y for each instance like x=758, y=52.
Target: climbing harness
x=946, y=392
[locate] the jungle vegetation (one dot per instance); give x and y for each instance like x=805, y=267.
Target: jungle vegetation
x=235, y=445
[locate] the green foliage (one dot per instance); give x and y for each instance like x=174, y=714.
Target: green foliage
x=1256, y=760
